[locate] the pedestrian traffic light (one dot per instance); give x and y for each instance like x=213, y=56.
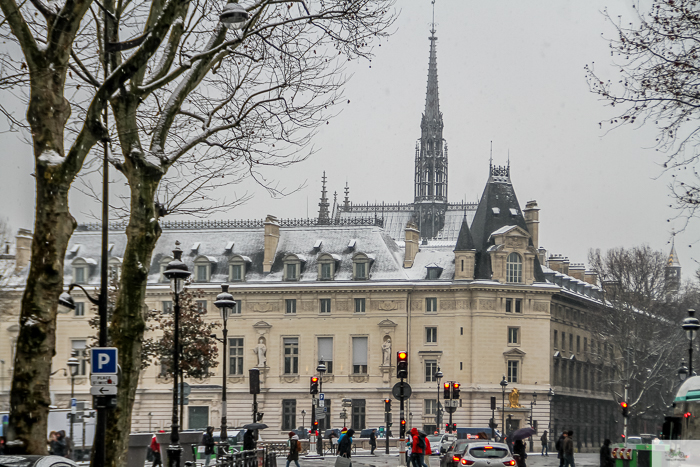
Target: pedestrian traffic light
x=446, y=391
x=401, y=364
x=387, y=405
x=455, y=390
x=314, y=385
x=625, y=411
x=493, y=402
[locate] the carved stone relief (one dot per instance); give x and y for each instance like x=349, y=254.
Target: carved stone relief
x=489, y=304
x=541, y=306
x=308, y=306
x=341, y=305
x=264, y=307
x=462, y=304
x=416, y=305
x=448, y=304
x=385, y=305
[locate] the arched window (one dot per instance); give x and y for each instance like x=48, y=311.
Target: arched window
x=514, y=266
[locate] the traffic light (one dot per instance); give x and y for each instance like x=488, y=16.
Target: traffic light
x=387, y=405
x=625, y=410
x=314, y=385
x=454, y=428
x=447, y=427
x=403, y=423
x=455, y=390
x=254, y=380
x=493, y=403
x=401, y=364
x=446, y=391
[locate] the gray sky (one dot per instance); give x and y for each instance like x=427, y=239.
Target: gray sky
x=510, y=72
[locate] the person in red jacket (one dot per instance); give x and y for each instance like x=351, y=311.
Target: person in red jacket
x=419, y=447
x=155, y=448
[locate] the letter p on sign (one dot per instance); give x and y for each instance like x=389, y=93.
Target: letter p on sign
x=103, y=360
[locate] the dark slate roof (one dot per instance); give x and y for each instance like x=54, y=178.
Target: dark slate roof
x=465, y=241
x=497, y=208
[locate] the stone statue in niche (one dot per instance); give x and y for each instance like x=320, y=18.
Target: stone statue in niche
x=261, y=351
x=386, y=351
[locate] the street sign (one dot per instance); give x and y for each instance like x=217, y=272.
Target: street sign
x=104, y=402
x=103, y=390
x=186, y=389
x=104, y=380
x=322, y=397
x=73, y=405
x=103, y=360
x=396, y=390
x=321, y=403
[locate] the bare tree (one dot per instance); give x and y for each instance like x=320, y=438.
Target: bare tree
x=638, y=331
x=193, y=107
x=659, y=64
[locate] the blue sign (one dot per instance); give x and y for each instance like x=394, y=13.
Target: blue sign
x=103, y=361
x=322, y=397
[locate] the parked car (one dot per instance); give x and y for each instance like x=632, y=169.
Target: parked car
x=436, y=442
x=302, y=433
x=454, y=453
x=36, y=461
x=483, y=453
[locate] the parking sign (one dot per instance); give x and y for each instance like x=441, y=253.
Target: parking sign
x=103, y=360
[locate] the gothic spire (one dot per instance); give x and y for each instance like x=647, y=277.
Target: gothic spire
x=323, y=215
x=432, y=102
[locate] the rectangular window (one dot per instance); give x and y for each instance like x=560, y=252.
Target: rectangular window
x=325, y=352
x=199, y=417
x=509, y=305
x=239, y=307
x=236, y=272
x=202, y=273
x=556, y=338
x=431, y=304
x=291, y=306
x=359, y=355
x=514, y=335
x=563, y=341
x=79, y=351
x=359, y=305
x=326, y=271
x=430, y=406
x=79, y=309
x=585, y=345
x=325, y=305
x=430, y=370
x=201, y=307
x=80, y=275
x=518, y=305
x=578, y=344
x=360, y=271
x=289, y=414
x=433, y=273
x=291, y=355
x=571, y=342
x=358, y=414
x=513, y=371
x=235, y=346
x=431, y=335
x=291, y=270
x=167, y=306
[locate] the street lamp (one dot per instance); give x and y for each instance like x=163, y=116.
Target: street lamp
x=234, y=16
x=504, y=383
x=533, y=403
x=73, y=365
x=438, y=377
x=303, y=418
x=550, y=398
x=683, y=371
x=321, y=368
x=176, y=272
x=691, y=326
x=226, y=304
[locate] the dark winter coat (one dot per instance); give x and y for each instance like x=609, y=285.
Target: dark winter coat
x=559, y=446
x=372, y=439
x=568, y=446
x=248, y=441
x=293, y=454
x=345, y=444
x=208, y=442
x=606, y=459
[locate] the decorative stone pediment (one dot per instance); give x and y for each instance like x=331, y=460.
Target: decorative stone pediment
x=514, y=353
x=359, y=378
x=387, y=323
x=262, y=325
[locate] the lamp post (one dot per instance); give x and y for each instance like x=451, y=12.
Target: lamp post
x=226, y=304
x=321, y=368
x=73, y=365
x=176, y=272
x=504, y=383
x=691, y=326
x=533, y=403
x=683, y=371
x=550, y=398
x=303, y=418
x=438, y=377
x=234, y=15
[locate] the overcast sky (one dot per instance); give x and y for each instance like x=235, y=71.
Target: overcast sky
x=509, y=71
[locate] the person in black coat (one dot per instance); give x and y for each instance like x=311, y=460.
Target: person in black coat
x=208, y=442
x=345, y=444
x=373, y=440
x=520, y=452
x=249, y=440
x=606, y=459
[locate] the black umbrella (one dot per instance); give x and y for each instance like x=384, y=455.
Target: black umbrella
x=255, y=426
x=522, y=433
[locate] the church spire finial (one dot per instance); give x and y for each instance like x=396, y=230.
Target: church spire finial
x=432, y=25
x=323, y=214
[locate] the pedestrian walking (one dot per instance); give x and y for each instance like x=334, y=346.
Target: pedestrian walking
x=333, y=441
x=345, y=444
x=249, y=440
x=294, y=448
x=569, y=450
x=606, y=459
x=520, y=452
x=560, y=448
x=155, y=449
x=208, y=442
x=373, y=440
x=545, y=452
x=418, y=448
x=57, y=446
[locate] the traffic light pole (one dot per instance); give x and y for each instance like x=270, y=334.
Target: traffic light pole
x=386, y=432
x=624, y=418
x=402, y=430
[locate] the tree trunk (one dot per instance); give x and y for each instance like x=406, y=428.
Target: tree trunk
x=128, y=320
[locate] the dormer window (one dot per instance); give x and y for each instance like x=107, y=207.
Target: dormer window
x=326, y=267
x=360, y=266
x=434, y=271
x=115, y=267
x=514, y=268
x=202, y=268
x=237, y=268
x=292, y=267
x=81, y=269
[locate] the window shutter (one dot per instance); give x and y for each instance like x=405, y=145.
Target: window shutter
x=359, y=351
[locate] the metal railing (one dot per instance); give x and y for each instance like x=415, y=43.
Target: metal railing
x=261, y=457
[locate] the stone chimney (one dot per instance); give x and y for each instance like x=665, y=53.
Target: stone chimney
x=559, y=263
x=411, y=244
x=577, y=270
x=24, y=249
x=532, y=219
x=591, y=277
x=272, y=238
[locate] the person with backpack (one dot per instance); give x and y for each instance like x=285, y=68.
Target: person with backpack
x=294, y=448
x=345, y=444
x=417, y=448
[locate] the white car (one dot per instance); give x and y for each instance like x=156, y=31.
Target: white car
x=438, y=441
